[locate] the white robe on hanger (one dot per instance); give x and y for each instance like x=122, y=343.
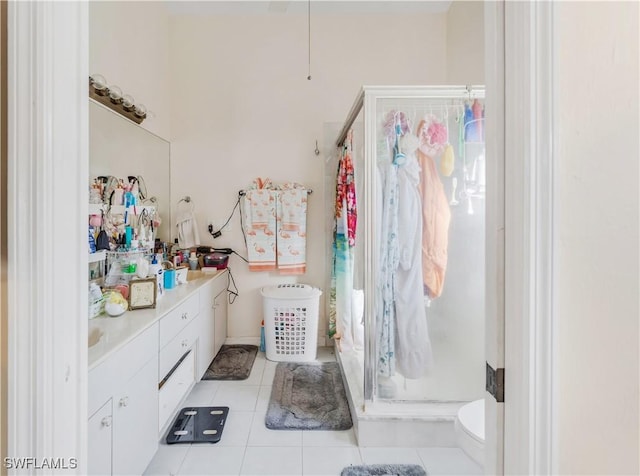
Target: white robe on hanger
x=413, y=352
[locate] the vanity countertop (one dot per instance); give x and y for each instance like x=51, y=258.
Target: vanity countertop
x=117, y=331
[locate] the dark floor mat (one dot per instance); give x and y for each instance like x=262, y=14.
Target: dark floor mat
x=232, y=362
x=384, y=470
x=198, y=425
x=308, y=397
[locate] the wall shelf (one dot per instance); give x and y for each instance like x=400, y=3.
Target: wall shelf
x=96, y=208
x=97, y=256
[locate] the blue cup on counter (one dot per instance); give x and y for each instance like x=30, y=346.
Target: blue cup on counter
x=169, y=278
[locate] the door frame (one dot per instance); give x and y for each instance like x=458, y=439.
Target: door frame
x=47, y=205
x=47, y=92
x=530, y=132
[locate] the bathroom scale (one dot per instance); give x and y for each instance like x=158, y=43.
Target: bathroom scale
x=198, y=425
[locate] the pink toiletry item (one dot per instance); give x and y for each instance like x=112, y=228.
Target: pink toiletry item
x=432, y=135
x=476, y=108
x=437, y=134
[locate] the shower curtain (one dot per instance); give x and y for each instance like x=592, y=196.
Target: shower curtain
x=340, y=306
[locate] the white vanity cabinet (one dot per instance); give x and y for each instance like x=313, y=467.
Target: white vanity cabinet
x=143, y=366
x=212, y=322
x=123, y=402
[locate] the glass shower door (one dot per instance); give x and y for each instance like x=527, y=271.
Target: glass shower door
x=425, y=320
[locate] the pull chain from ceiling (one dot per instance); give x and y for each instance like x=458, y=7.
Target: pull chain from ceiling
x=309, y=31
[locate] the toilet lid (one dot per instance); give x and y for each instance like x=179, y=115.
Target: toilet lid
x=471, y=417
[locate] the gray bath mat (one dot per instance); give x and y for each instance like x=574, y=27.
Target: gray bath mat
x=232, y=362
x=384, y=470
x=308, y=397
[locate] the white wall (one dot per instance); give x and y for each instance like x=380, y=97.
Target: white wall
x=465, y=42
x=597, y=238
x=243, y=108
x=128, y=45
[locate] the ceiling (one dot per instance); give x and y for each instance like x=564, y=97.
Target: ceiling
x=242, y=7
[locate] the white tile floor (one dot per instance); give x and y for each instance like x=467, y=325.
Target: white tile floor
x=247, y=447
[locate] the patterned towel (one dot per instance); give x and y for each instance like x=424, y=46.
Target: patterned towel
x=292, y=231
x=260, y=229
x=262, y=205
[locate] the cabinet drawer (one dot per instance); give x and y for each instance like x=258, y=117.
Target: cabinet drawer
x=176, y=348
x=177, y=319
x=174, y=390
x=119, y=368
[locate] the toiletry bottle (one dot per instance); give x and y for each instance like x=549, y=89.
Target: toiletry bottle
x=154, y=267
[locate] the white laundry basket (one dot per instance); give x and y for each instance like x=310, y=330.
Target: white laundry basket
x=291, y=322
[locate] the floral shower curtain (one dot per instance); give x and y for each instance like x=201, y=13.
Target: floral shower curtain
x=344, y=238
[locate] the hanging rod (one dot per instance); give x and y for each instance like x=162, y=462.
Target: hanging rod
x=467, y=92
x=242, y=193
x=351, y=118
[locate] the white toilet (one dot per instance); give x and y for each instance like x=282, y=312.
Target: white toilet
x=469, y=428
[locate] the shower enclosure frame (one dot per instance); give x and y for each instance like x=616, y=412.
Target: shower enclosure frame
x=366, y=103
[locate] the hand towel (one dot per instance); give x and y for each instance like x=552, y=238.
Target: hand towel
x=292, y=231
x=188, y=235
x=261, y=235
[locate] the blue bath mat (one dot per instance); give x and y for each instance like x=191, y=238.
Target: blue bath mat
x=384, y=470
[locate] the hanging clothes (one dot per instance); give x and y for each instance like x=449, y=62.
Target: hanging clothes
x=414, y=356
x=340, y=303
x=389, y=259
x=436, y=216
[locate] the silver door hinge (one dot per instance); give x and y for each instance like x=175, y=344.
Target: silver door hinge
x=495, y=383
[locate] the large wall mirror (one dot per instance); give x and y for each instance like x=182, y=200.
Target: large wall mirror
x=119, y=147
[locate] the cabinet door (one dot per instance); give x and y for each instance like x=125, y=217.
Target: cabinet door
x=220, y=311
x=135, y=429
x=99, y=433
x=206, y=330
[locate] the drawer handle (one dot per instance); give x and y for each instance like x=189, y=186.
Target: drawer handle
x=185, y=315
x=185, y=343
x=106, y=421
x=124, y=401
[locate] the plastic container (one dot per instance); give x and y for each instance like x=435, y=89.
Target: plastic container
x=96, y=301
x=169, y=278
x=291, y=322
x=263, y=342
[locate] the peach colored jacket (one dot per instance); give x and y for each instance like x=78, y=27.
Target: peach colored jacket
x=436, y=216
